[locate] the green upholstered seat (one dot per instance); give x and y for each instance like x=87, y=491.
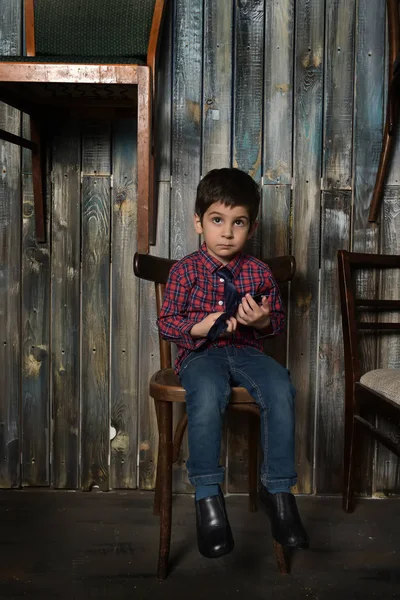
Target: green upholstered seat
x=93, y=27
x=91, y=31
x=92, y=60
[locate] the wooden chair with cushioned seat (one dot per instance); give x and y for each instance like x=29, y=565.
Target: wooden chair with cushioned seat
x=88, y=55
x=375, y=393
x=165, y=388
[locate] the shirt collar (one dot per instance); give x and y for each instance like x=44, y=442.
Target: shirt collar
x=212, y=264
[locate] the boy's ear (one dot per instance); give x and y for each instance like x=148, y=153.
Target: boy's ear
x=197, y=224
x=252, y=229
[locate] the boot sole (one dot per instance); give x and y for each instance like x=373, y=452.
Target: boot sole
x=219, y=554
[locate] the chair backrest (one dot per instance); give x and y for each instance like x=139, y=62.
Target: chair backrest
x=354, y=309
x=88, y=28
x=156, y=269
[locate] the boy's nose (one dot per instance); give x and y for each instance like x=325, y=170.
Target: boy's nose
x=228, y=233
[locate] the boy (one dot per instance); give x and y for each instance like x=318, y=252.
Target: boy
x=210, y=314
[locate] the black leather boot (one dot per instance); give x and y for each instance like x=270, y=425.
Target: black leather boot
x=214, y=535
x=286, y=526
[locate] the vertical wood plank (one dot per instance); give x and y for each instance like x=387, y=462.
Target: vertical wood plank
x=278, y=132
x=306, y=227
x=335, y=234
x=248, y=94
x=275, y=242
x=339, y=93
x=163, y=106
x=35, y=332
x=125, y=307
x=278, y=92
x=65, y=278
x=217, y=82
x=186, y=125
x=276, y=222
x=186, y=153
x=387, y=466
x=368, y=125
x=95, y=427
x=11, y=27
x=247, y=150
x=217, y=99
x=368, y=118
x=149, y=358
x=10, y=264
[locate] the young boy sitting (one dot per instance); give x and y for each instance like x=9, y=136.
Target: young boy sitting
x=210, y=313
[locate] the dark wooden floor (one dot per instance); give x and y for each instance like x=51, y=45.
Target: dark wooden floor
x=104, y=545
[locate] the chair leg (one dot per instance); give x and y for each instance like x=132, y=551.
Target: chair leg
x=165, y=465
x=37, y=176
x=384, y=163
x=178, y=436
x=144, y=158
x=177, y=442
x=254, y=436
x=157, y=491
x=152, y=201
x=352, y=440
x=282, y=556
x=391, y=111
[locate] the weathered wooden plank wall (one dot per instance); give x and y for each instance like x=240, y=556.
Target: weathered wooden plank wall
x=335, y=234
x=291, y=91
x=10, y=268
x=65, y=299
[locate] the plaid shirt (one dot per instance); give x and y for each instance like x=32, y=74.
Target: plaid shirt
x=194, y=290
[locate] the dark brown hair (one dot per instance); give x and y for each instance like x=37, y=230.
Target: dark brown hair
x=232, y=187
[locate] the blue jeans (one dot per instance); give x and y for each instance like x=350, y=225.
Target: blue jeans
x=207, y=376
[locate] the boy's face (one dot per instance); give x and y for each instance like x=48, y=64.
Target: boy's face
x=225, y=229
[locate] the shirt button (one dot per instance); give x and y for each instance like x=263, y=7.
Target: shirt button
x=221, y=302
x=221, y=280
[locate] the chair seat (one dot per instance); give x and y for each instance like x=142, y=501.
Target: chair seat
x=89, y=60
x=165, y=386
x=384, y=381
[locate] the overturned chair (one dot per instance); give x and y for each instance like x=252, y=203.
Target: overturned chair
x=88, y=55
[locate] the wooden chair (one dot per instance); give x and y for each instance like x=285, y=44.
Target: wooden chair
x=89, y=56
x=165, y=388
x=375, y=393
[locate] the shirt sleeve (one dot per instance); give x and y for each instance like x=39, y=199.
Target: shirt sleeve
x=173, y=323
x=277, y=314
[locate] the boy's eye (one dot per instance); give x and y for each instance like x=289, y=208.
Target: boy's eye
x=216, y=219
x=239, y=222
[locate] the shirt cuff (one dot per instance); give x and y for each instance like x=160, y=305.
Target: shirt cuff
x=266, y=332
x=190, y=342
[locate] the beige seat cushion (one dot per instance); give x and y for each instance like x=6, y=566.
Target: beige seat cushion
x=384, y=381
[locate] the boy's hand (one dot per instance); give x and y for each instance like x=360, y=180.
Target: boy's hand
x=252, y=314
x=201, y=329
x=232, y=324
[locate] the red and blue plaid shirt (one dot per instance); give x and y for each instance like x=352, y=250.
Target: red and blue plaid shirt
x=194, y=290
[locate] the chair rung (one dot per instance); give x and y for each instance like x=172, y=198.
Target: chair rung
x=378, y=435
x=379, y=326
x=378, y=304
x=19, y=141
